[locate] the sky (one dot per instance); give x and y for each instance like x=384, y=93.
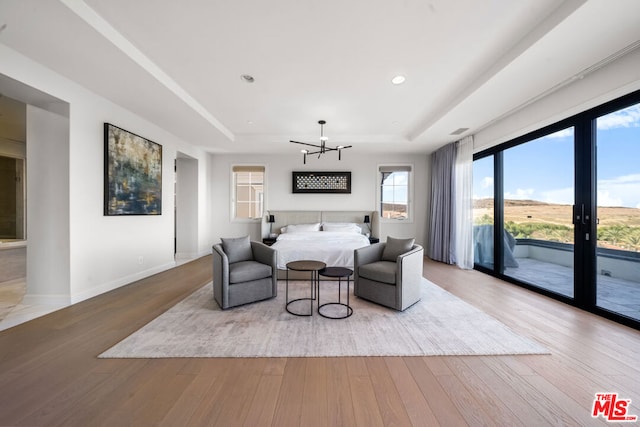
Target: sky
x=395, y=188
x=543, y=169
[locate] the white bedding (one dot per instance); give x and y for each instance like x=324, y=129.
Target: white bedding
x=334, y=248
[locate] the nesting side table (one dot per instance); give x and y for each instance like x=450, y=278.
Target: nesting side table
x=306, y=265
x=340, y=273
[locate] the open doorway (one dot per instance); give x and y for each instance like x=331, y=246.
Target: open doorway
x=13, y=244
x=34, y=129
x=186, y=207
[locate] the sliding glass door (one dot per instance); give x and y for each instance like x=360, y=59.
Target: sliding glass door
x=537, y=204
x=483, y=210
x=618, y=212
x=562, y=214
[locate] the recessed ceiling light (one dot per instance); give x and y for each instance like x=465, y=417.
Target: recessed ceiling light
x=398, y=80
x=249, y=122
x=247, y=78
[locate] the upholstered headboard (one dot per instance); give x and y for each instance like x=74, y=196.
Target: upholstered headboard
x=283, y=218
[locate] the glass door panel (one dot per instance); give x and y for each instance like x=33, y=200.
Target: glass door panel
x=538, y=212
x=483, y=203
x=618, y=212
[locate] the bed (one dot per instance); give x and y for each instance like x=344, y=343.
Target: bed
x=327, y=236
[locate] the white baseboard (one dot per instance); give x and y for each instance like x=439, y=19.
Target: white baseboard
x=109, y=286
x=186, y=255
x=58, y=300
x=65, y=300
x=192, y=255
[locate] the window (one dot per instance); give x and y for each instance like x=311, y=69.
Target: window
x=247, y=192
x=394, y=191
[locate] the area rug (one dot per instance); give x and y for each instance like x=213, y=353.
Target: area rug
x=440, y=324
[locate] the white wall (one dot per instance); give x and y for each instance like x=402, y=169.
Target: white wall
x=280, y=197
x=104, y=252
x=48, y=249
x=612, y=81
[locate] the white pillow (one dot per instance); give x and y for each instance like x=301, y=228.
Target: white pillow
x=342, y=227
x=296, y=228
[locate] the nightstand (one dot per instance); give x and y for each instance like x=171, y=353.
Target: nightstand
x=373, y=240
x=269, y=241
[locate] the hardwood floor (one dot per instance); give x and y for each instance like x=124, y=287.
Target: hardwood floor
x=49, y=373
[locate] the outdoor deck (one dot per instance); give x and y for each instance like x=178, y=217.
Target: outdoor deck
x=618, y=295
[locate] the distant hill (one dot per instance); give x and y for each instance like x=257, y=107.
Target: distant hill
x=522, y=211
x=488, y=203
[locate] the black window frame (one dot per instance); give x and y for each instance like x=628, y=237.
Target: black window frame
x=584, y=124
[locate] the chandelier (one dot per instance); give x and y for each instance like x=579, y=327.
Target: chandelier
x=321, y=148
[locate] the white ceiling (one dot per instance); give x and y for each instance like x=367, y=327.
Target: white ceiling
x=178, y=63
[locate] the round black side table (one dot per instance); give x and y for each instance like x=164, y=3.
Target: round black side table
x=340, y=273
x=306, y=265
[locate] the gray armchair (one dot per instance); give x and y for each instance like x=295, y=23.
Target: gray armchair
x=243, y=272
x=389, y=273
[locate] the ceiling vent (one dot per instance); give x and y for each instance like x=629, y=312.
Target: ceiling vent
x=459, y=131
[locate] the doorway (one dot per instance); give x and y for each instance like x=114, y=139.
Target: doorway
x=186, y=207
x=13, y=245
x=43, y=170
x=13, y=153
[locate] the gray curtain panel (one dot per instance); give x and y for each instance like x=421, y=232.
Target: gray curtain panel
x=442, y=227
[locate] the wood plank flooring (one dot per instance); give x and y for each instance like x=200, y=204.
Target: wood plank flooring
x=50, y=376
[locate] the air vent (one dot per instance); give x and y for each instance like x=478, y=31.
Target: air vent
x=459, y=131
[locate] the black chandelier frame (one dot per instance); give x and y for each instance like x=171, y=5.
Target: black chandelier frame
x=321, y=148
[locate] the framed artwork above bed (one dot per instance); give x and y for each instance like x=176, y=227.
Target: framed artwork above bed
x=321, y=182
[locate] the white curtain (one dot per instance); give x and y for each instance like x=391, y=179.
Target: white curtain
x=463, y=244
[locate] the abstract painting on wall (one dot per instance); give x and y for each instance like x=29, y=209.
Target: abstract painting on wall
x=132, y=173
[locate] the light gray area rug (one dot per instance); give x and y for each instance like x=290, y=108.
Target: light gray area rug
x=440, y=324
